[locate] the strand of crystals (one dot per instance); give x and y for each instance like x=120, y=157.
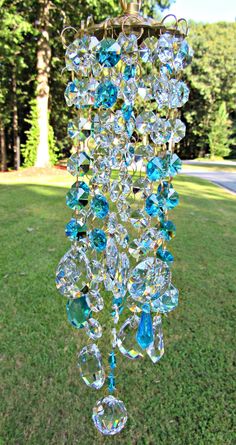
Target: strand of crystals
x=126, y=93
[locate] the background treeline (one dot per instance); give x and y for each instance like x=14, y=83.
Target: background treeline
x=33, y=114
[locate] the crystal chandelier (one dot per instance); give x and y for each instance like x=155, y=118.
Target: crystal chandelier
x=126, y=95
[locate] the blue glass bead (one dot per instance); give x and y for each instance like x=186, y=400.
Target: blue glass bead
x=98, y=239
x=129, y=72
x=106, y=95
x=78, y=312
x=144, y=334
x=168, y=230
x=108, y=54
x=112, y=360
x=164, y=255
x=74, y=230
x=127, y=111
x=153, y=205
x=171, y=197
x=175, y=165
x=111, y=382
x=100, y=206
x=77, y=197
x=155, y=169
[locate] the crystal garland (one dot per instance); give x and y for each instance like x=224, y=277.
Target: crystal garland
x=126, y=93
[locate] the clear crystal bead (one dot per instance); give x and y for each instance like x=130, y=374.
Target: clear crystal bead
x=156, y=349
x=78, y=164
x=148, y=49
x=178, y=130
x=129, y=48
x=145, y=122
x=93, y=329
x=161, y=131
x=90, y=366
x=148, y=280
x=126, y=340
x=109, y=416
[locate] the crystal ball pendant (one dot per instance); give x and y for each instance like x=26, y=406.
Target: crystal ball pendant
x=109, y=416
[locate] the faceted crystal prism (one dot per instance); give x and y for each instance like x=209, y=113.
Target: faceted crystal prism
x=144, y=122
x=73, y=273
x=155, y=169
x=77, y=197
x=179, y=93
x=153, y=205
x=109, y=416
x=98, y=239
x=178, y=130
x=79, y=129
x=78, y=164
x=93, y=329
x=144, y=334
x=95, y=301
x=100, y=206
x=148, y=280
x=78, y=312
x=90, y=366
x=148, y=49
x=161, y=131
x=108, y=53
x=126, y=340
x=75, y=230
x=156, y=348
x=79, y=54
x=169, y=300
x=129, y=48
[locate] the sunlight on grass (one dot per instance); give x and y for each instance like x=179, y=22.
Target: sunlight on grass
x=178, y=401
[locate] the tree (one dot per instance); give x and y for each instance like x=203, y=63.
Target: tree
x=211, y=78
x=219, y=136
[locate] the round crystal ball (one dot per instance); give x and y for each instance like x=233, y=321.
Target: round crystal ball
x=109, y=416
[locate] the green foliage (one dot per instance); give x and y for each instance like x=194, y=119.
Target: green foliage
x=29, y=149
x=220, y=133
x=211, y=78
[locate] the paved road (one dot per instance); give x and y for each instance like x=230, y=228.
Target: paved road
x=225, y=179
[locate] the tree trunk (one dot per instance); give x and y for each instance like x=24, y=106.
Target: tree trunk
x=16, y=145
x=3, y=148
x=42, y=92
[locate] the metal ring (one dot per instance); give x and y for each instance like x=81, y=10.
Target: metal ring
x=136, y=20
x=170, y=15
x=185, y=31
x=63, y=32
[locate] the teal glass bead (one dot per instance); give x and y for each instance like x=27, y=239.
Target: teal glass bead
x=144, y=334
x=168, y=230
x=112, y=360
x=98, y=239
x=155, y=169
x=170, y=196
x=100, y=206
x=78, y=312
x=108, y=53
x=74, y=230
x=175, y=165
x=127, y=111
x=153, y=205
x=111, y=382
x=164, y=255
x=129, y=72
x=77, y=197
x=106, y=95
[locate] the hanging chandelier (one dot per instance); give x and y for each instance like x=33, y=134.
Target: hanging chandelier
x=126, y=92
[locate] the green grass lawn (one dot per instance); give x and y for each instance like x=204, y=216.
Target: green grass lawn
x=186, y=399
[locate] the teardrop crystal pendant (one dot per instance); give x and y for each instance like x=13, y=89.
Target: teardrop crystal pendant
x=125, y=95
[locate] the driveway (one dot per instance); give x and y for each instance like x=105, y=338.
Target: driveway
x=224, y=179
